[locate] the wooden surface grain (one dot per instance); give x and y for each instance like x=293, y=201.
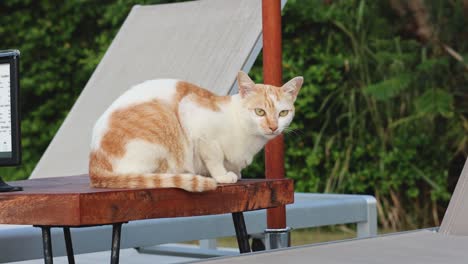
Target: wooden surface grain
x=70, y=201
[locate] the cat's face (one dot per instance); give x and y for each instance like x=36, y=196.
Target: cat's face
x=271, y=108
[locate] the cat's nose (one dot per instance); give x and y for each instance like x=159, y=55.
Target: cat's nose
x=273, y=128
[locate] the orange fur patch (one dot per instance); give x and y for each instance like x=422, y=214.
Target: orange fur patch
x=105, y=179
x=97, y=159
x=177, y=180
x=152, y=121
x=163, y=166
x=195, y=184
x=202, y=97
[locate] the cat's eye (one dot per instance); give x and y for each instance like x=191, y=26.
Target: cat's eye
x=284, y=113
x=259, y=112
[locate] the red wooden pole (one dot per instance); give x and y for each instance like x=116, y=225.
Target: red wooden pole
x=272, y=74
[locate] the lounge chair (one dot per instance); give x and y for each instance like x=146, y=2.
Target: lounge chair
x=204, y=42
x=447, y=244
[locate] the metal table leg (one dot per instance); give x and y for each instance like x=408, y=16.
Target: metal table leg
x=47, y=245
x=241, y=232
x=116, y=234
x=257, y=244
x=69, y=245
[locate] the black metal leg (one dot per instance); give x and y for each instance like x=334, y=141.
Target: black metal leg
x=69, y=245
x=116, y=233
x=47, y=245
x=241, y=232
x=257, y=244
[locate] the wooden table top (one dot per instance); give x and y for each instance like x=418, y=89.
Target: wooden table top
x=70, y=201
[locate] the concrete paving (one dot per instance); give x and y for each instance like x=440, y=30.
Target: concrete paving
x=129, y=255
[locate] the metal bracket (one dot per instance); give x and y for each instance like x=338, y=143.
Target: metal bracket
x=277, y=238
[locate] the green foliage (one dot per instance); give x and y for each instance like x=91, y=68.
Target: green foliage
x=389, y=88
x=379, y=112
x=435, y=102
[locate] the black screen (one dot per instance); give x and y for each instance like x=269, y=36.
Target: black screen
x=10, y=149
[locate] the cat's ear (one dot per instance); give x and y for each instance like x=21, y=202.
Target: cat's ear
x=246, y=85
x=293, y=86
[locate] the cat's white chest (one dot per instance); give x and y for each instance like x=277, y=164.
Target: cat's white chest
x=240, y=153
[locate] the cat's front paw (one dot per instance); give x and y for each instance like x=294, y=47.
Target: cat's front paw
x=229, y=177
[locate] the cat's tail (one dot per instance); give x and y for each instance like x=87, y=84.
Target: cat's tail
x=188, y=182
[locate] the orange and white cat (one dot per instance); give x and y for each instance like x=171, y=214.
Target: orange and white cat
x=170, y=133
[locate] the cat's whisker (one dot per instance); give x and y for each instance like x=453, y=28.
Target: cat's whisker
x=293, y=130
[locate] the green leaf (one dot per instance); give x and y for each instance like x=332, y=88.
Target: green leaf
x=360, y=14
x=388, y=88
x=435, y=102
